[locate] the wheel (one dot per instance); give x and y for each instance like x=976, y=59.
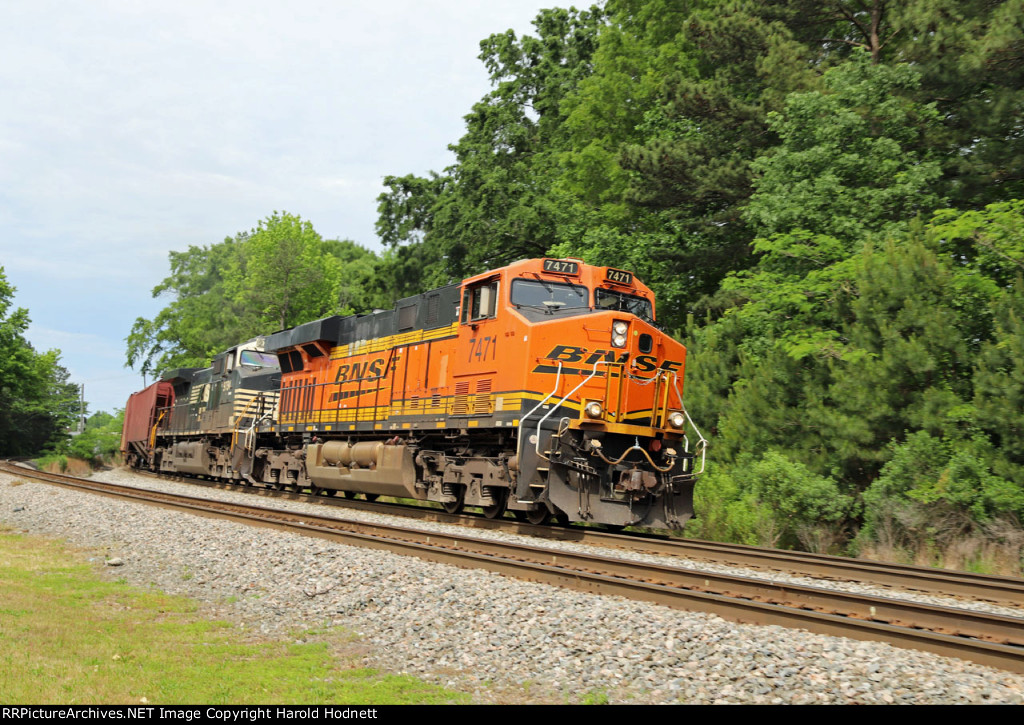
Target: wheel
x=350, y=495
x=495, y=510
x=538, y=516
x=455, y=507
x=315, y=490
x=371, y=496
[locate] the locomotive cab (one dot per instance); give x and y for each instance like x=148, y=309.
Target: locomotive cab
x=606, y=438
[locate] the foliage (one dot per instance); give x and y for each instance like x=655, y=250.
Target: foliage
x=101, y=439
x=968, y=54
x=277, y=275
x=852, y=157
x=495, y=204
x=771, y=501
x=998, y=385
x=283, y=275
x=37, y=403
x=990, y=240
x=935, y=490
x=201, y=315
x=900, y=360
x=662, y=133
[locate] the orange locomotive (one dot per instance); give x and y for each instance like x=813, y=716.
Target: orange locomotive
x=540, y=388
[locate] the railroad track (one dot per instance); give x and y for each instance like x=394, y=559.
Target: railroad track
x=989, y=639
x=1000, y=590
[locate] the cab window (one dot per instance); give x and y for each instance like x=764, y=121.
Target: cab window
x=258, y=359
x=606, y=299
x=548, y=295
x=480, y=301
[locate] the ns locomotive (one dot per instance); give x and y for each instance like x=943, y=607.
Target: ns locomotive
x=542, y=388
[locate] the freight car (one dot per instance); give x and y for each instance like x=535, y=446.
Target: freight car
x=542, y=388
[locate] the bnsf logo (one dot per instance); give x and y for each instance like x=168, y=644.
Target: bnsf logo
x=351, y=372
x=643, y=363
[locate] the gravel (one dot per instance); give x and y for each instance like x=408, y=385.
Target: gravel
x=500, y=639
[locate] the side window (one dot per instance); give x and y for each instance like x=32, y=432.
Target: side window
x=480, y=301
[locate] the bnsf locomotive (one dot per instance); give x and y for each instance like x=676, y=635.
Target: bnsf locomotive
x=542, y=388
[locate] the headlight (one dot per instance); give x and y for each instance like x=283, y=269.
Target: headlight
x=676, y=420
x=594, y=409
x=619, y=330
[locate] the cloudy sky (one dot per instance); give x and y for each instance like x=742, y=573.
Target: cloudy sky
x=128, y=129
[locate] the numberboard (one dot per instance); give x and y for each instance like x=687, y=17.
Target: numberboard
x=618, y=276
x=558, y=266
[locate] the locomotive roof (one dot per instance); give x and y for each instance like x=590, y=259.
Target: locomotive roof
x=175, y=374
x=433, y=309
x=427, y=311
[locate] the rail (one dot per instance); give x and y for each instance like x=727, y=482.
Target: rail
x=994, y=640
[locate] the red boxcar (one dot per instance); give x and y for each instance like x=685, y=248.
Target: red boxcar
x=140, y=415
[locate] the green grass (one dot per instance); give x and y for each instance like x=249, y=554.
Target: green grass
x=595, y=697
x=69, y=637
x=57, y=461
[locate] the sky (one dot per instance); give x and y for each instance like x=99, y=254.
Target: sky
x=129, y=129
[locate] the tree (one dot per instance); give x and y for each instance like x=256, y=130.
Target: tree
x=998, y=385
x=101, y=439
x=893, y=371
x=277, y=275
x=969, y=54
x=37, y=403
x=283, y=274
x=202, y=317
x=496, y=203
x=852, y=159
x=679, y=118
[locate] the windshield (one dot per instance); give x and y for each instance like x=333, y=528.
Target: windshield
x=259, y=359
x=548, y=295
x=606, y=299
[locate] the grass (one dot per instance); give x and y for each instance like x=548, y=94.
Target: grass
x=59, y=463
x=974, y=554
x=69, y=637
x=53, y=462
x=595, y=697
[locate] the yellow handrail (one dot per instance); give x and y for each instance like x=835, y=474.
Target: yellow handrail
x=238, y=420
x=152, y=433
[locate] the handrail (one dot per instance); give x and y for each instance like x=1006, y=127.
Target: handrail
x=553, y=409
x=700, y=446
x=522, y=422
x=152, y=433
x=238, y=420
